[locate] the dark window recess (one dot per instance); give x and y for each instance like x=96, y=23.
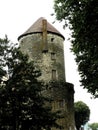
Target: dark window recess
x=53, y=74
x=53, y=56
x=52, y=39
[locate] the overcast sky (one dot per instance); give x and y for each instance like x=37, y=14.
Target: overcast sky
x=16, y=16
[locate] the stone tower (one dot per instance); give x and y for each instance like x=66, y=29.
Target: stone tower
x=44, y=45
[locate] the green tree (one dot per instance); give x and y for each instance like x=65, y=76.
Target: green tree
x=82, y=113
x=82, y=18
x=93, y=126
x=22, y=104
x=3, y=53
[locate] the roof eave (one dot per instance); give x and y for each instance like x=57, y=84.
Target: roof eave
x=25, y=34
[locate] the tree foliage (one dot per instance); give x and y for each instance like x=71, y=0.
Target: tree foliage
x=82, y=113
x=82, y=18
x=22, y=104
x=3, y=54
x=93, y=126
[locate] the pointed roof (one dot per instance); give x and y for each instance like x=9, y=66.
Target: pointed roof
x=37, y=28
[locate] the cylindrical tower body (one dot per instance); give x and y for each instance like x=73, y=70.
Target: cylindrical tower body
x=50, y=61
x=44, y=45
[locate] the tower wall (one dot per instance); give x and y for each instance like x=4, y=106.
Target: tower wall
x=45, y=47
x=63, y=100
x=51, y=63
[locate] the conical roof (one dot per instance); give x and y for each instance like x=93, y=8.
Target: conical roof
x=37, y=28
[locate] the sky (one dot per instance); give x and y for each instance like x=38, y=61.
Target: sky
x=16, y=16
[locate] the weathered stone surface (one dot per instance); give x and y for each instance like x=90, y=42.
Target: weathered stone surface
x=33, y=46
x=50, y=60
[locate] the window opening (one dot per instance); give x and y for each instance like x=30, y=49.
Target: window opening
x=53, y=74
x=53, y=56
x=52, y=39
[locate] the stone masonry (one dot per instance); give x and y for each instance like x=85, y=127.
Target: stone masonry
x=44, y=45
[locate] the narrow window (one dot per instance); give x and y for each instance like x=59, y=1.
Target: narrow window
x=53, y=74
x=53, y=56
x=52, y=39
x=61, y=103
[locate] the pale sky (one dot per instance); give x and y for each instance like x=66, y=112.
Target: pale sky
x=16, y=16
